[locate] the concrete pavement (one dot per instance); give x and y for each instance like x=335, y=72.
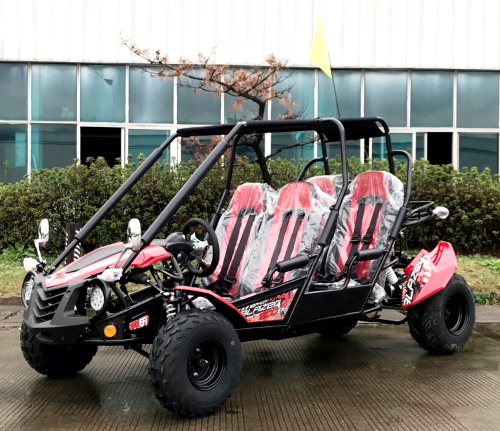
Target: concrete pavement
x=376, y=378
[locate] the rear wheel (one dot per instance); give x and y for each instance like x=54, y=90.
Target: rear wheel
x=444, y=322
x=195, y=363
x=56, y=362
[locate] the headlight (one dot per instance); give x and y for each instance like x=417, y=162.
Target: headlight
x=98, y=295
x=96, y=298
x=27, y=289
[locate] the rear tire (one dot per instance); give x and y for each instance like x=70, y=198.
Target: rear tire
x=443, y=323
x=56, y=362
x=195, y=363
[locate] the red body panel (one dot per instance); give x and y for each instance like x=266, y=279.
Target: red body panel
x=428, y=273
x=274, y=308
x=224, y=307
x=150, y=255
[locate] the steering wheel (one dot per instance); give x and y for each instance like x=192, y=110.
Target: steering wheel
x=191, y=230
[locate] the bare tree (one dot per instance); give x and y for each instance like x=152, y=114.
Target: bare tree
x=257, y=85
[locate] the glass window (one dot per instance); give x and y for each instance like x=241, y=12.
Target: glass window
x=151, y=97
x=477, y=99
x=432, y=99
x=102, y=95
x=196, y=106
x=145, y=142
x=385, y=96
x=479, y=150
x=348, y=90
x=301, y=85
x=352, y=149
x=13, y=152
x=52, y=145
x=53, y=92
x=399, y=141
x=420, y=146
x=293, y=145
x=13, y=92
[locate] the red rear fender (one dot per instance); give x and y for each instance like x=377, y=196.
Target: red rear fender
x=428, y=273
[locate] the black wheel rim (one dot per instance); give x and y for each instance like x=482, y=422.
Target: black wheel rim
x=206, y=365
x=456, y=313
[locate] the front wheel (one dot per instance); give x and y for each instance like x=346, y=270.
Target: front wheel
x=56, y=362
x=443, y=323
x=195, y=363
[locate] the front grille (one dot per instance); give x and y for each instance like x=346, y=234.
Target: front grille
x=47, y=302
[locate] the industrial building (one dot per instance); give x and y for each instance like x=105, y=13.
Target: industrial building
x=70, y=89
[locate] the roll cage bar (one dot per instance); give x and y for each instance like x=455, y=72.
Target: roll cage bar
x=328, y=130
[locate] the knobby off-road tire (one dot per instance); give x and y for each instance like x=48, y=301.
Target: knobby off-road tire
x=195, y=363
x=337, y=331
x=56, y=362
x=443, y=323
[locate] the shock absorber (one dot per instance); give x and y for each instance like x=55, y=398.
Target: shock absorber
x=392, y=278
x=170, y=310
x=169, y=307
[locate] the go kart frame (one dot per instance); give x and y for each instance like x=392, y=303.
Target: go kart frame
x=195, y=313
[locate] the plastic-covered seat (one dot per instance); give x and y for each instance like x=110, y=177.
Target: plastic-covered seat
x=293, y=227
x=236, y=230
x=329, y=184
x=366, y=217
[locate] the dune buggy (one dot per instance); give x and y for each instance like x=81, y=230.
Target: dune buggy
x=317, y=255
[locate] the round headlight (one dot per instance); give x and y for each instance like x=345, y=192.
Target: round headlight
x=97, y=298
x=27, y=288
x=27, y=291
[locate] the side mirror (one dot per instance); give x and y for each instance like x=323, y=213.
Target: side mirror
x=43, y=232
x=134, y=234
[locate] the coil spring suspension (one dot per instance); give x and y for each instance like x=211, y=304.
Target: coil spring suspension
x=170, y=310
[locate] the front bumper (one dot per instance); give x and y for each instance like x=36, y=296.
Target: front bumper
x=51, y=313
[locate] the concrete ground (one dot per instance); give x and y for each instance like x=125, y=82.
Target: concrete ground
x=376, y=378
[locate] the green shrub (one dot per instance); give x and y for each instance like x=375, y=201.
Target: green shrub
x=473, y=199
x=16, y=253
x=486, y=298
x=75, y=193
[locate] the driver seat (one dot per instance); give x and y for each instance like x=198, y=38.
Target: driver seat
x=235, y=232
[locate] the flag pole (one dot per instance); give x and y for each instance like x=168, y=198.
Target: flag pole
x=334, y=90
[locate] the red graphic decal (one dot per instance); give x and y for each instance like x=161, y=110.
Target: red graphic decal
x=141, y=322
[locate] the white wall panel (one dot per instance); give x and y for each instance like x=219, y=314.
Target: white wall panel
x=360, y=33
x=461, y=34
x=492, y=34
x=476, y=34
x=399, y=33
x=367, y=43
x=445, y=29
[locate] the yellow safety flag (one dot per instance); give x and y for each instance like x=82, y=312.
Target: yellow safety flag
x=319, y=51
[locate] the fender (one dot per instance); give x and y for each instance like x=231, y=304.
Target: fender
x=428, y=274
x=224, y=307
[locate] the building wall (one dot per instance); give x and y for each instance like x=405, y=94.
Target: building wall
x=70, y=89
x=435, y=34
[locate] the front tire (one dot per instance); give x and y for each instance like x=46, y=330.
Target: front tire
x=195, y=363
x=56, y=362
x=443, y=323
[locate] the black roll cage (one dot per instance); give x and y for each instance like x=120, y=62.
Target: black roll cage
x=328, y=129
